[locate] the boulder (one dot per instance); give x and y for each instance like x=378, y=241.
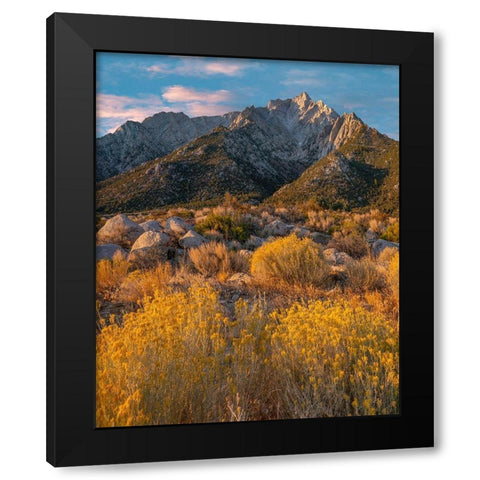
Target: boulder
x=380, y=245
x=329, y=254
x=334, y=257
x=179, y=254
x=300, y=232
x=119, y=230
x=342, y=258
x=278, y=228
x=371, y=237
x=150, y=248
x=148, y=257
x=108, y=251
x=191, y=239
x=151, y=226
x=319, y=237
x=177, y=226
x=254, y=242
x=234, y=245
x=151, y=239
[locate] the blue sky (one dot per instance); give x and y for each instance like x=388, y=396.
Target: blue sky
x=135, y=86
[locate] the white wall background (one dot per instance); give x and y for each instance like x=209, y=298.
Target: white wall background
x=22, y=271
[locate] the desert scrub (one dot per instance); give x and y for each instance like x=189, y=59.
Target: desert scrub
x=392, y=233
x=319, y=220
x=350, y=228
x=386, y=256
x=353, y=244
x=363, y=275
x=291, y=260
x=179, y=359
x=110, y=274
x=231, y=227
x=213, y=258
x=166, y=364
x=251, y=387
x=330, y=359
x=141, y=284
x=393, y=277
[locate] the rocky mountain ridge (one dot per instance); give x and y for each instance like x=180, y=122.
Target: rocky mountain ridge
x=134, y=143
x=261, y=150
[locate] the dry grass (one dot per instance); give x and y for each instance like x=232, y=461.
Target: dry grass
x=386, y=256
x=213, y=258
x=110, y=274
x=354, y=244
x=363, y=275
x=320, y=221
x=377, y=226
x=141, y=284
x=393, y=277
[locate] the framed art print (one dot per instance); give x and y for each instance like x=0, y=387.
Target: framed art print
x=234, y=263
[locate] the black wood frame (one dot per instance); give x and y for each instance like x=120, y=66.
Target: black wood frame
x=72, y=41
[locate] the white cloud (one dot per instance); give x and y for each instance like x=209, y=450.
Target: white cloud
x=197, y=109
x=158, y=69
x=302, y=78
x=178, y=93
x=196, y=103
x=200, y=67
x=113, y=110
x=226, y=68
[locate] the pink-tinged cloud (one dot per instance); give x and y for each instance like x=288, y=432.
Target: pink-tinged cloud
x=201, y=67
x=180, y=94
x=113, y=110
x=225, y=68
x=158, y=69
x=197, y=109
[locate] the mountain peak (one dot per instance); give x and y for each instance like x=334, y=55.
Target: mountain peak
x=303, y=100
x=351, y=117
x=302, y=104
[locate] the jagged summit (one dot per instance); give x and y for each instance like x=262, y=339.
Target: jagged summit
x=303, y=100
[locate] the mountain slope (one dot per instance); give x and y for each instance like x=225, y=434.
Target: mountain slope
x=200, y=171
x=363, y=172
x=134, y=143
x=262, y=150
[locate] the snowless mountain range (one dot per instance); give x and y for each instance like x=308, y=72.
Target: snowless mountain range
x=289, y=151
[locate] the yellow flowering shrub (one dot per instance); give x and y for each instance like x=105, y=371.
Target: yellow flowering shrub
x=393, y=275
x=181, y=359
x=249, y=377
x=291, y=260
x=330, y=359
x=386, y=256
x=165, y=364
